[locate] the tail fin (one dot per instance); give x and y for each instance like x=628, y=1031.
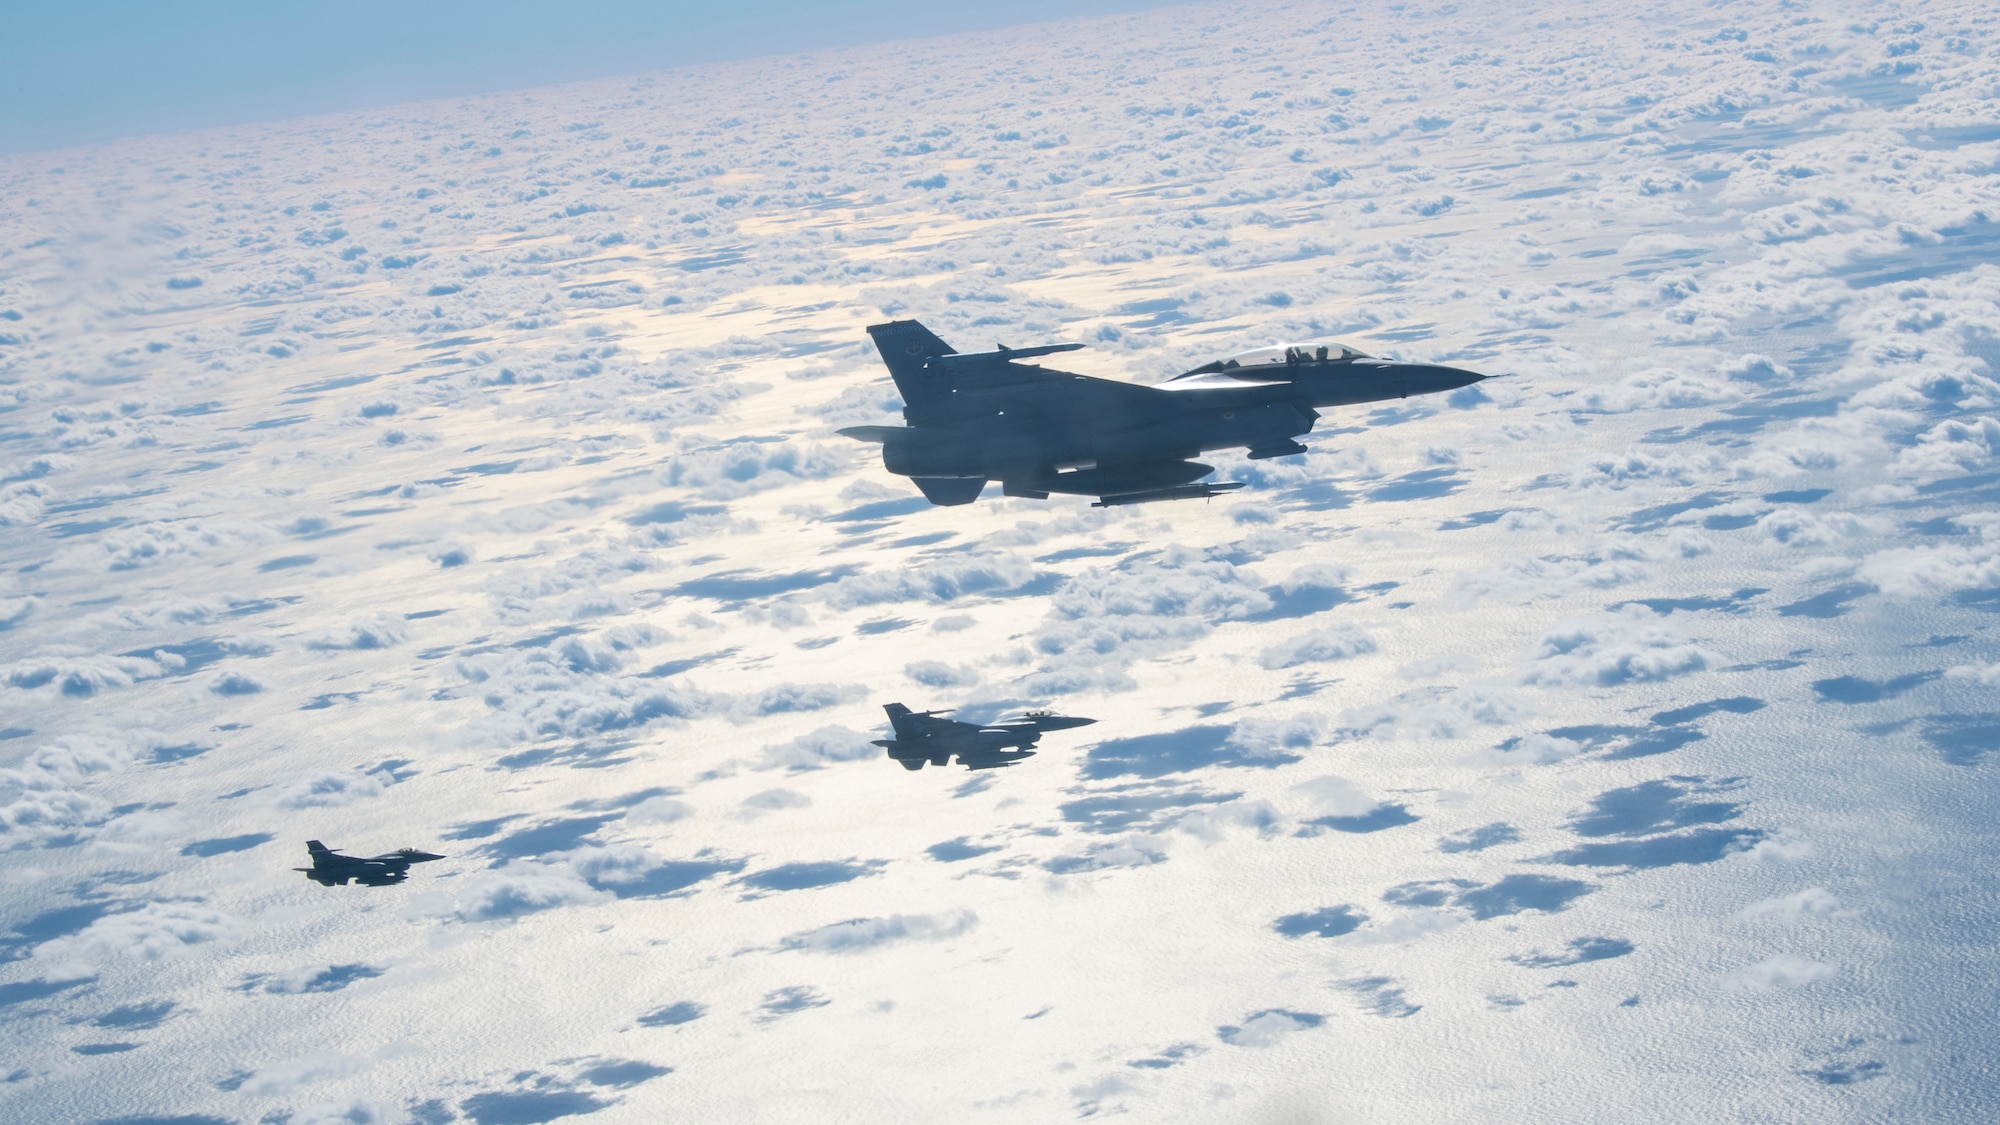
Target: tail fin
x=316, y=849
x=901, y=720
x=906, y=347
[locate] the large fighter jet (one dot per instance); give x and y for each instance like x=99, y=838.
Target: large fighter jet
x=923, y=737
x=330, y=868
x=992, y=416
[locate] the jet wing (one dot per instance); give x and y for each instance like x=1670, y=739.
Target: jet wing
x=1034, y=387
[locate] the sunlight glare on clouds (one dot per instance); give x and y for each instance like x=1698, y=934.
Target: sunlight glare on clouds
x=464, y=474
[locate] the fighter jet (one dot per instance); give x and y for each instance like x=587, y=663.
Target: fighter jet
x=330, y=868
x=923, y=737
x=994, y=416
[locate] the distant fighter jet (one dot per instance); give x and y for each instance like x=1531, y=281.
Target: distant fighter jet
x=330, y=868
x=991, y=416
x=923, y=737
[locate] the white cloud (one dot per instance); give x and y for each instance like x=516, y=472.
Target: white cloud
x=155, y=931
x=1635, y=645
x=142, y=832
x=1103, y=619
x=1408, y=926
x=285, y=1077
x=1784, y=970
x=1269, y=738
x=1916, y=572
x=1986, y=674
x=1751, y=367
x=1438, y=712
x=1658, y=389
x=375, y=630
x=328, y=789
x=1956, y=445
x=657, y=810
x=1336, y=642
x=859, y=934
x=936, y=673
x=820, y=747
x=944, y=580
x=522, y=887
x=1813, y=902
x=1537, y=748
x=739, y=468
x=1781, y=847
x=353, y=1111
x=78, y=675
x=1212, y=823
x=1265, y=1029
x=774, y=800
x=1335, y=796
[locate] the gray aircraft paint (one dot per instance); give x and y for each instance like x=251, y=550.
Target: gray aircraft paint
x=991, y=416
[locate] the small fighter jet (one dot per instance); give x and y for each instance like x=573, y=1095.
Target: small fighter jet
x=994, y=416
x=923, y=737
x=330, y=868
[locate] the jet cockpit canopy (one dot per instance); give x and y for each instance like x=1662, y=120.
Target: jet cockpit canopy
x=1271, y=362
x=1318, y=351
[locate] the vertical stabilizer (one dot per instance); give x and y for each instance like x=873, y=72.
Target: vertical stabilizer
x=901, y=719
x=906, y=347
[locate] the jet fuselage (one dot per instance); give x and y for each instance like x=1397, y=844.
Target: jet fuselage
x=976, y=418
x=921, y=736
x=331, y=869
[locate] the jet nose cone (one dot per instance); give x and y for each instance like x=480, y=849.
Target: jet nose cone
x=1439, y=378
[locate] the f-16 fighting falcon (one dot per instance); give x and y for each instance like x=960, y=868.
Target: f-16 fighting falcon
x=992, y=416
x=330, y=868
x=923, y=737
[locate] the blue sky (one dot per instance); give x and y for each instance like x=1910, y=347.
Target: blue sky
x=75, y=73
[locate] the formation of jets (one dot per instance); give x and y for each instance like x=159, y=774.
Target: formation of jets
x=973, y=419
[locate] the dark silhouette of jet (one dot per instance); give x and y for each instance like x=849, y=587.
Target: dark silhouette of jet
x=992, y=416
x=330, y=868
x=923, y=737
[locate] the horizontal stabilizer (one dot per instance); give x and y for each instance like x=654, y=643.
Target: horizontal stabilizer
x=881, y=435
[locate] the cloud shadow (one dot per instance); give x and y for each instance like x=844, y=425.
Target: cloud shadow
x=1964, y=739
x=1853, y=689
x=1327, y=921
x=1832, y=603
x=223, y=845
x=1480, y=838
x=1580, y=951
x=1180, y=751
x=806, y=876
x=1379, y=818
x=1137, y=806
